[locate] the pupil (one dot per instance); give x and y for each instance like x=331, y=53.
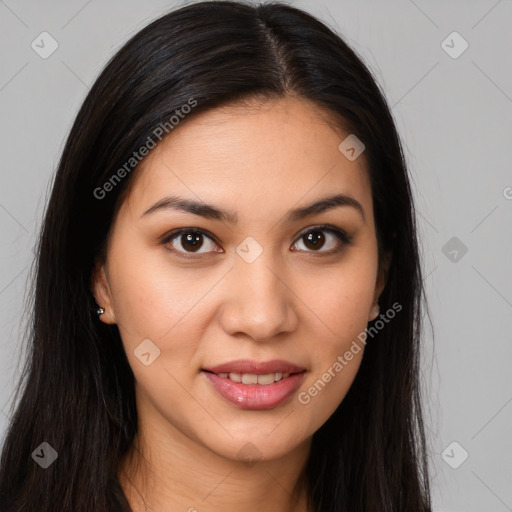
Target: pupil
x=315, y=238
x=194, y=240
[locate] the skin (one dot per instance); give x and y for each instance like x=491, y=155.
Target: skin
x=291, y=303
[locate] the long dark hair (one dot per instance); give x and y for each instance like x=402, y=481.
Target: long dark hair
x=77, y=389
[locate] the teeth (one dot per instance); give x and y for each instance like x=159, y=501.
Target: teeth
x=251, y=378
x=267, y=379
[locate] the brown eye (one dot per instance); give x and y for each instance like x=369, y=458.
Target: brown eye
x=317, y=238
x=314, y=240
x=190, y=241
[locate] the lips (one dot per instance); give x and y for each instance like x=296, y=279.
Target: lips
x=255, y=367
x=255, y=385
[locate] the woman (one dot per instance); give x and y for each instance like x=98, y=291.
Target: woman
x=228, y=293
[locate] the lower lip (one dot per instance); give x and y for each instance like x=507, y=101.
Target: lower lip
x=255, y=396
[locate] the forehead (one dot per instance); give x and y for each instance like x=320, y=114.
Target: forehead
x=274, y=152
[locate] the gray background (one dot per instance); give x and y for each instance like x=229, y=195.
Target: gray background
x=455, y=119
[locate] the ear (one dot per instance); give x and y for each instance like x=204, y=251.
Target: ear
x=382, y=277
x=100, y=288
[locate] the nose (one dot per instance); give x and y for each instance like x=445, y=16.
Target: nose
x=259, y=303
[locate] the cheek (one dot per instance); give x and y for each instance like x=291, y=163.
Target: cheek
x=342, y=295
x=341, y=305
x=155, y=299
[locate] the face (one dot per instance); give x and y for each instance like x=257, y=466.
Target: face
x=194, y=291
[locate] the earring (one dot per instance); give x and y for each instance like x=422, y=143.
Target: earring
x=100, y=311
x=375, y=311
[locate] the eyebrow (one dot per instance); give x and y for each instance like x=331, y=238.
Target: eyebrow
x=211, y=212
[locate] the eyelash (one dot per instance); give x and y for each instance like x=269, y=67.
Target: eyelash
x=341, y=235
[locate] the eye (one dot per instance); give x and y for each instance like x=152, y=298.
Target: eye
x=315, y=239
x=189, y=241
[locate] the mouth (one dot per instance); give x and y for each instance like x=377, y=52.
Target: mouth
x=255, y=385
x=265, y=379
x=252, y=367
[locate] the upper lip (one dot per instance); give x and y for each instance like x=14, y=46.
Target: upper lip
x=256, y=367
